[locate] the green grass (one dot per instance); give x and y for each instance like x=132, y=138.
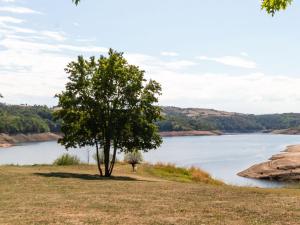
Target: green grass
x=158, y=195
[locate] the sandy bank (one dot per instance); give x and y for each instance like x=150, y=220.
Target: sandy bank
x=283, y=166
x=189, y=133
x=290, y=131
x=9, y=140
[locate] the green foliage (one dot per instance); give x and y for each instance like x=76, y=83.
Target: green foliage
x=76, y=1
x=134, y=157
x=108, y=104
x=272, y=6
x=25, y=119
x=67, y=160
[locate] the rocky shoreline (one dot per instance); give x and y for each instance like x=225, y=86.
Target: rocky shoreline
x=189, y=133
x=284, y=166
x=289, y=131
x=10, y=140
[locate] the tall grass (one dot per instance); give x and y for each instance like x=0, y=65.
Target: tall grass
x=172, y=172
x=67, y=160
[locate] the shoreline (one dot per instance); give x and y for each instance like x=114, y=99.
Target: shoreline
x=284, y=166
x=189, y=133
x=289, y=131
x=7, y=141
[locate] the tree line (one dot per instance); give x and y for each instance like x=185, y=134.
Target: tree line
x=16, y=119
x=176, y=119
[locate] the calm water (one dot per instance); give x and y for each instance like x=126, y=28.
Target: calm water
x=222, y=156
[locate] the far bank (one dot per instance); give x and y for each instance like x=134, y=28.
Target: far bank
x=10, y=140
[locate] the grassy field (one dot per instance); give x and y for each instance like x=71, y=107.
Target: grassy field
x=154, y=195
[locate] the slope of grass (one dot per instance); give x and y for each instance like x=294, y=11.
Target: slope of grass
x=76, y=195
x=171, y=172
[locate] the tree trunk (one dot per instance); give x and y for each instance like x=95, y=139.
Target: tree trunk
x=113, y=160
x=106, y=158
x=134, y=167
x=98, y=160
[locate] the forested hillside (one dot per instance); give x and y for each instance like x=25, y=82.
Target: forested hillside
x=179, y=119
x=15, y=119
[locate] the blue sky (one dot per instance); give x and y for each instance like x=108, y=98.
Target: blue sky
x=222, y=54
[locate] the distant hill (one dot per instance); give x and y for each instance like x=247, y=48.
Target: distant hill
x=185, y=119
x=16, y=119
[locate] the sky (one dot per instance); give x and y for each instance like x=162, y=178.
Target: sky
x=221, y=54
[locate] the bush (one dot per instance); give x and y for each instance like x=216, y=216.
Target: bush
x=67, y=160
x=133, y=158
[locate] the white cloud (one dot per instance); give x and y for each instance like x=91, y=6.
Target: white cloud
x=9, y=19
x=15, y=29
x=178, y=64
x=169, y=54
x=32, y=65
x=247, y=93
x=231, y=61
x=87, y=40
x=151, y=63
x=84, y=48
x=20, y=10
x=58, y=36
x=9, y=1
x=32, y=70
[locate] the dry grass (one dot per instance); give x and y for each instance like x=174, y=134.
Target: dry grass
x=75, y=195
x=174, y=173
x=203, y=177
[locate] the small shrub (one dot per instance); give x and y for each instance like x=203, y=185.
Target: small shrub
x=67, y=160
x=133, y=158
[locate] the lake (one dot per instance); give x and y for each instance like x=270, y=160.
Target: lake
x=222, y=156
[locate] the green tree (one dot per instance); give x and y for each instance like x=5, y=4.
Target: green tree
x=108, y=104
x=272, y=6
x=76, y=1
x=133, y=158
